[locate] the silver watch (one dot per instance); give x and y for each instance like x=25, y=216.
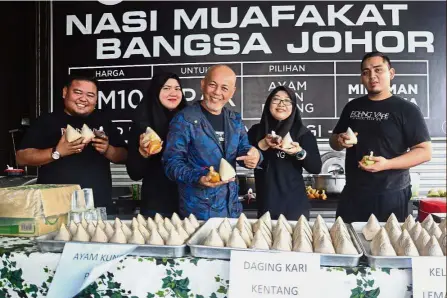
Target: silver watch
x=55, y=154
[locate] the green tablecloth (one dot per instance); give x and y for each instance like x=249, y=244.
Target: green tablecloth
x=25, y=272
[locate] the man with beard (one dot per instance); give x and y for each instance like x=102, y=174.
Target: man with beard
x=394, y=130
x=84, y=162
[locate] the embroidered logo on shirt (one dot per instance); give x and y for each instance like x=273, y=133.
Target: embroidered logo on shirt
x=371, y=116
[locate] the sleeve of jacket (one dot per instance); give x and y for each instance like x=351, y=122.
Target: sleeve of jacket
x=175, y=156
x=136, y=164
x=312, y=162
x=244, y=144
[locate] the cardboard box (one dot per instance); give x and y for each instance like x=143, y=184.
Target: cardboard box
x=34, y=210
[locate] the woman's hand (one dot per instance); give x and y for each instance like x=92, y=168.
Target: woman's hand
x=294, y=149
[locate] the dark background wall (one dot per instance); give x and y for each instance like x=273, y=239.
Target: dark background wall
x=23, y=79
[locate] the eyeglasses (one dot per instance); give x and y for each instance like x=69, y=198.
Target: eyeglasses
x=286, y=102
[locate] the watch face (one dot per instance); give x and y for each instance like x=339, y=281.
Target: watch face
x=55, y=155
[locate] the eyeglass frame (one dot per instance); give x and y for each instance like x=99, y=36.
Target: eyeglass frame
x=285, y=102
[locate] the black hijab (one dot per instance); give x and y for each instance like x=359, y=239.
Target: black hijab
x=292, y=124
x=151, y=112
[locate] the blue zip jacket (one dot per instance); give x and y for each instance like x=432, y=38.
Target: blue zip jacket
x=191, y=148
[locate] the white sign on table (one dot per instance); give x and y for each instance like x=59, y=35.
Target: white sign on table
x=269, y=274
x=429, y=277
x=81, y=264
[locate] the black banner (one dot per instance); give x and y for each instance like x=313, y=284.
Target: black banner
x=314, y=48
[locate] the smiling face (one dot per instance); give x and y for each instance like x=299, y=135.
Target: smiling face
x=171, y=94
x=80, y=98
x=281, y=105
x=218, y=88
x=376, y=75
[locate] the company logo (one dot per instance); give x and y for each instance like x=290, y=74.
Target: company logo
x=366, y=115
x=110, y=2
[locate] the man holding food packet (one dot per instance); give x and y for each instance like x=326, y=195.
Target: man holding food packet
x=384, y=136
x=75, y=144
x=204, y=138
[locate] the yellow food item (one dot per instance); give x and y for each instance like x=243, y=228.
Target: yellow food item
x=366, y=160
x=213, y=175
x=323, y=195
x=154, y=141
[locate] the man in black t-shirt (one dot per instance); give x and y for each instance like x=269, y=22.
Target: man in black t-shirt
x=82, y=162
x=394, y=130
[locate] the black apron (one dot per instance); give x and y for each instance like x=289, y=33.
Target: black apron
x=358, y=206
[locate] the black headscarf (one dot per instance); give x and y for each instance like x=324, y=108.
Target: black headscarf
x=151, y=112
x=292, y=124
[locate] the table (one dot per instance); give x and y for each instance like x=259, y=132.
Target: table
x=25, y=272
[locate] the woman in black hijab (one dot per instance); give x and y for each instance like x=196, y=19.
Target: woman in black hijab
x=280, y=185
x=163, y=100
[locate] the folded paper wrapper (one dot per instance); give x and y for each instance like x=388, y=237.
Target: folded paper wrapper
x=352, y=137
x=154, y=140
x=226, y=171
x=72, y=134
x=34, y=210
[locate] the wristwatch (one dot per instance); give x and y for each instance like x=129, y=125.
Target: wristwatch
x=301, y=154
x=55, y=154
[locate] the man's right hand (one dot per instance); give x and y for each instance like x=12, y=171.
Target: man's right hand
x=205, y=182
x=341, y=138
x=66, y=148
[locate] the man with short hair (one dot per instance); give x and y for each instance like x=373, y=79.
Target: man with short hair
x=394, y=130
x=199, y=136
x=82, y=162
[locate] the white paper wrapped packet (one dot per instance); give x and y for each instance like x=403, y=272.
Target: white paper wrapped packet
x=91, y=228
x=214, y=240
x=127, y=232
x=189, y=228
x=87, y=134
x=175, y=219
x=236, y=240
x=155, y=238
x=226, y=170
x=174, y=238
x=141, y=220
x=118, y=237
x=352, y=137
x=224, y=232
x=259, y=241
x=72, y=228
x=81, y=234
x=63, y=234
x=144, y=232
x=168, y=224
x=267, y=220
x=158, y=218
x=181, y=231
x=427, y=222
x=371, y=228
x=323, y=245
x=72, y=134
x=194, y=221
x=409, y=223
x=99, y=235
x=432, y=249
x=109, y=230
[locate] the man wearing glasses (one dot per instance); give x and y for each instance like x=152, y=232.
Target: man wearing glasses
x=390, y=128
x=84, y=161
